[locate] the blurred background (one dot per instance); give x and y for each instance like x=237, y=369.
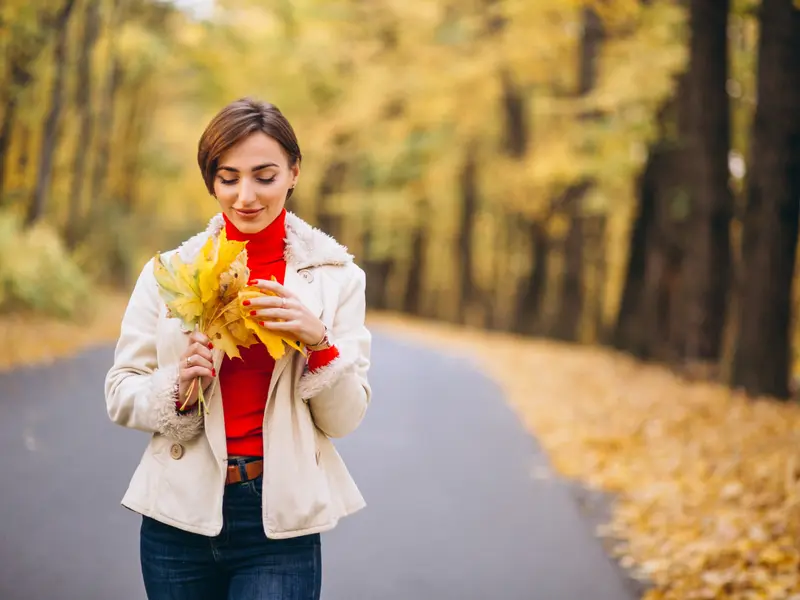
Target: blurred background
x=587, y=171
x=619, y=175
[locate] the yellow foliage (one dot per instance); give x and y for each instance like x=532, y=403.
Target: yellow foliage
x=40, y=339
x=206, y=295
x=37, y=275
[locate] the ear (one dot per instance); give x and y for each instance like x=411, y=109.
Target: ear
x=295, y=168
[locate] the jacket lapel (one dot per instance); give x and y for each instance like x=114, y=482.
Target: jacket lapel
x=306, y=286
x=308, y=290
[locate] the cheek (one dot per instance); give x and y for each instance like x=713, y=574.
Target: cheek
x=225, y=195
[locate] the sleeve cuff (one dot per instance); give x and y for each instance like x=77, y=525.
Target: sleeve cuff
x=325, y=376
x=322, y=358
x=181, y=427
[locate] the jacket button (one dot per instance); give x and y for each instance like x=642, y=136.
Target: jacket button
x=176, y=451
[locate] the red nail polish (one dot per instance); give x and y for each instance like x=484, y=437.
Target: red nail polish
x=210, y=346
x=246, y=303
x=252, y=313
x=213, y=372
x=261, y=323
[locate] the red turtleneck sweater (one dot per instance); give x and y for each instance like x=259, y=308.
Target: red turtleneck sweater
x=245, y=382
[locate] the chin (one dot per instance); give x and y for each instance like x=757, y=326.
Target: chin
x=250, y=225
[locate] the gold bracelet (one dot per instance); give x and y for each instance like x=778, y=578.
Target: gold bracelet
x=323, y=344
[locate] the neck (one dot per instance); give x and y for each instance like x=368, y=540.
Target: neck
x=267, y=244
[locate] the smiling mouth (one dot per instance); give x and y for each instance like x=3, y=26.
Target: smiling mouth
x=248, y=212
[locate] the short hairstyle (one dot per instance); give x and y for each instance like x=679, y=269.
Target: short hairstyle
x=235, y=122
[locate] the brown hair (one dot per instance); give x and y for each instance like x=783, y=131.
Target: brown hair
x=234, y=123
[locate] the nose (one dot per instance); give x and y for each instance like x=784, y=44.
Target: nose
x=247, y=193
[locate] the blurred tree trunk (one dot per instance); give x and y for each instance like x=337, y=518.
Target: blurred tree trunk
x=137, y=121
x=466, y=229
x=20, y=58
x=517, y=133
x=706, y=272
x=83, y=104
x=567, y=321
x=24, y=158
x=596, y=226
x=629, y=329
x=377, y=271
x=106, y=116
x=656, y=250
x=412, y=298
x=106, y=113
x=529, y=308
x=333, y=182
x=635, y=330
x=517, y=140
x=762, y=362
x=51, y=124
x=6, y=127
x=500, y=315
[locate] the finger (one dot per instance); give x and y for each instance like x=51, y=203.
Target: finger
x=197, y=349
x=281, y=325
x=200, y=338
x=274, y=287
x=268, y=302
x=195, y=372
x=274, y=313
x=196, y=362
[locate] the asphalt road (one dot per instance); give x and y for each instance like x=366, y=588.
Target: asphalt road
x=457, y=509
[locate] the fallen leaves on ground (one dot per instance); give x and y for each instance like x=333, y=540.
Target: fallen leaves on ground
x=32, y=338
x=708, y=482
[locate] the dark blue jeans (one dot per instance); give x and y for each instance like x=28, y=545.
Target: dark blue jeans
x=241, y=563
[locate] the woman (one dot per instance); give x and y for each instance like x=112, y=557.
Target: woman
x=233, y=501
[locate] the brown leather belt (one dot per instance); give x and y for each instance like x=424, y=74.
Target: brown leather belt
x=252, y=470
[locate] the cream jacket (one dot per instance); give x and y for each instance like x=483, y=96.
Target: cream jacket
x=181, y=477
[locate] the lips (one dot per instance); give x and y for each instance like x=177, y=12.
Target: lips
x=248, y=213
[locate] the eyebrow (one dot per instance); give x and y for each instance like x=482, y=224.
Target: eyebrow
x=253, y=170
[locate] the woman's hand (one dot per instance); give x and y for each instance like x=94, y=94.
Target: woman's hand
x=196, y=361
x=295, y=319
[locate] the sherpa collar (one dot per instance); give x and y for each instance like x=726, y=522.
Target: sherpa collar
x=306, y=246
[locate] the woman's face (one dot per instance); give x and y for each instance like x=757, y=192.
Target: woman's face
x=252, y=181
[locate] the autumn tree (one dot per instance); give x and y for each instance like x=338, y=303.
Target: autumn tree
x=763, y=359
x=706, y=267
x=50, y=130
x=84, y=106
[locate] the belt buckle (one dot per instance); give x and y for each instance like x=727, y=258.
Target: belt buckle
x=238, y=473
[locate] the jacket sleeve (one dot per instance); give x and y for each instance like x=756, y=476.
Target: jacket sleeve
x=139, y=395
x=338, y=393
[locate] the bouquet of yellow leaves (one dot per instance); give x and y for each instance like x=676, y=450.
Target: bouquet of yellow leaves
x=207, y=295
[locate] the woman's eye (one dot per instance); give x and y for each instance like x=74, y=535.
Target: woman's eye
x=224, y=181
x=262, y=180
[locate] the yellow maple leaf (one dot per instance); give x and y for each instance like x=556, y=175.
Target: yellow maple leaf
x=243, y=336
x=221, y=337
x=175, y=287
x=234, y=279
x=270, y=339
x=230, y=330
x=214, y=261
x=273, y=340
x=204, y=264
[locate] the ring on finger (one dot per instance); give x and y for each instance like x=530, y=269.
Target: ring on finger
x=188, y=361
x=283, y=302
